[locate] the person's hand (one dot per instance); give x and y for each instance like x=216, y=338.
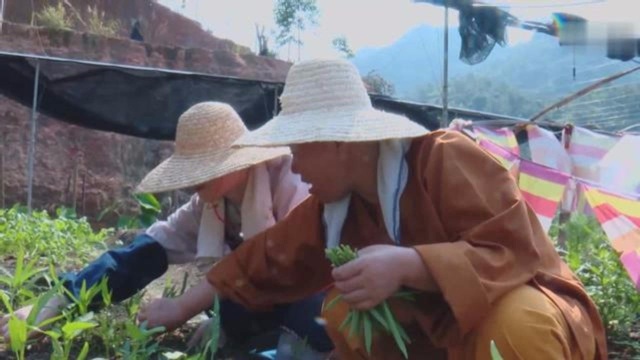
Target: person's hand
x=51, y=309
x=202, y=335
x=162, y=312
x=172, y=313
x=21, y=314
x=374, y=276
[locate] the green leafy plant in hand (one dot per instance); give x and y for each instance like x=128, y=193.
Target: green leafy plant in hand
x=380, y=318
x=495, y=354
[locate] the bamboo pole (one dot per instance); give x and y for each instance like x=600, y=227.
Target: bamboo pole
x=564, y=101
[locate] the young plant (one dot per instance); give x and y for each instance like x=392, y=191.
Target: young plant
x=149, y=210
x=590, y=255
x=62, y=339
x=139, y=345
x=210, y=349
x=379, y=318
x=19, y=329
x=133, y=304
x=170, y=290
x=67, y=241
x=85, y=298
x=111, y=335
x=21, y=283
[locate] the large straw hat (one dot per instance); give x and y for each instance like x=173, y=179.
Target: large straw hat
x=203, y=150
x=325, y=100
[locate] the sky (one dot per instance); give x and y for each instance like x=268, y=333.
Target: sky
x=371, y=23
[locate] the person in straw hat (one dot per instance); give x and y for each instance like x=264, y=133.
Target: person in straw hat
x=238, y=193
x=429, y=211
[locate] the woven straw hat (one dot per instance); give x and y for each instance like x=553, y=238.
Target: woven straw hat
x=203, y=152
x=325, y=100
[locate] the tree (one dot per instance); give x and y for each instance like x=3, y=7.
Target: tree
x=263, y=43
x=481, y=93
x=376, y=84
x=340, y=44
x=294, y=16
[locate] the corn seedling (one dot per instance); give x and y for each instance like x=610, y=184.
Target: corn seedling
x=84, y=299
x=106, y=330
x=170, y=290
x=149, y=210
x=21, y=283
x=62, y=339
x=211, y=348
x=139, y=345
x=365, y=323
x=19, y=329
x=65, y=241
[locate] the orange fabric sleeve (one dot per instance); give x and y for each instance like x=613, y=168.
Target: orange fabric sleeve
x=279, y=265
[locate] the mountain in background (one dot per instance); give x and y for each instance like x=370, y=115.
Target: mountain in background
x=516, y=80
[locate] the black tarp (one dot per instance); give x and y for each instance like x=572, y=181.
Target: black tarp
x=147, y=102
x=126, y=100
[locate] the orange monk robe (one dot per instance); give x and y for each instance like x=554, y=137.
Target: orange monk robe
x=463, y=213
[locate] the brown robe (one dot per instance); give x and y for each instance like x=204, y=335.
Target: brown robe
x=462, y=211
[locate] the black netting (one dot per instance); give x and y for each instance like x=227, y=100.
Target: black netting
x=147, y=103
x=129, y=101
x=481, y=27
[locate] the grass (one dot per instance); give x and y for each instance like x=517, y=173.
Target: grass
x=54, y=17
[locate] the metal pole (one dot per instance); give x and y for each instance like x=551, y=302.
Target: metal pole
x=74, y=184
x=1, y=15
x=32, y=140
x=84, y=189
x=445, y=84
x=2, y=173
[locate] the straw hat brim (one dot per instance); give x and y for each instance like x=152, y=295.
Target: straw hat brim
x=178, y=172
x=332, y=125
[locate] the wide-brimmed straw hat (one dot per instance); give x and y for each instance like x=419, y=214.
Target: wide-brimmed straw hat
x=325, y=100
x=203, y=152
